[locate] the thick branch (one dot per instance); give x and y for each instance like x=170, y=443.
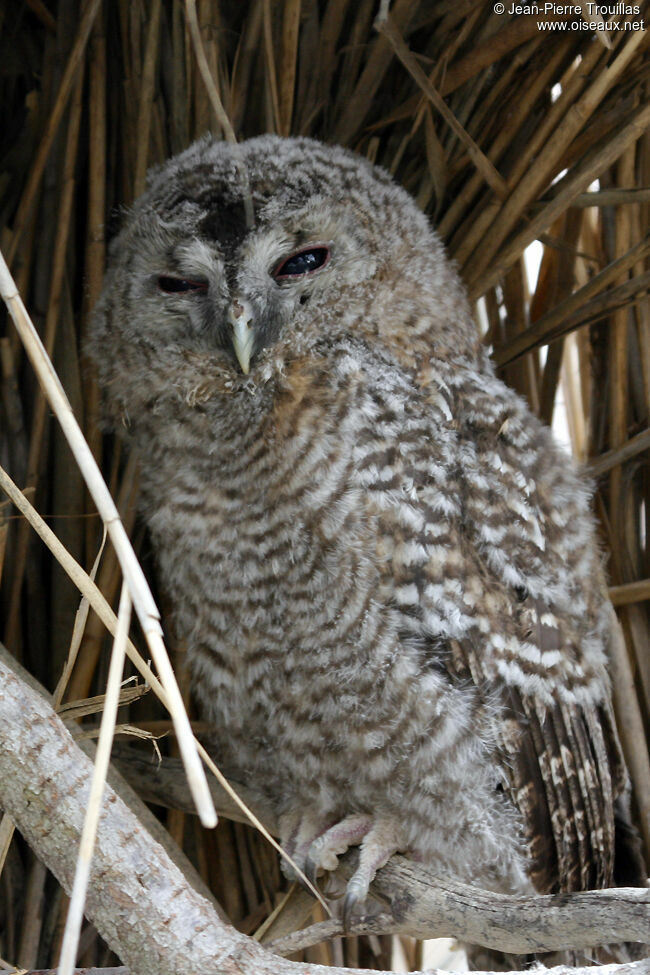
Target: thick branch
x=430, y=907
x=141, y=902
x=426, y=906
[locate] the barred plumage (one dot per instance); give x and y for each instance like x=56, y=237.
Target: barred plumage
x=383, y=567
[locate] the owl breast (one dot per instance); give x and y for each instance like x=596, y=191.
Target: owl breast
x=276, y=542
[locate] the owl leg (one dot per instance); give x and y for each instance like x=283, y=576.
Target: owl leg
x=377, y=848
x=326, y=849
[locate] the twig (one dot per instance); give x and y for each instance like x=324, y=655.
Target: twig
x=422, y=902
x=436, y=907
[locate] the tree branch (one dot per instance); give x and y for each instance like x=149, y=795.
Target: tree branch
x=423, y=905
x=143, y=905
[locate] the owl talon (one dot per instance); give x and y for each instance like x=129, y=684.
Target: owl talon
x=311, y=870
x=377, y=848
x=350, y=901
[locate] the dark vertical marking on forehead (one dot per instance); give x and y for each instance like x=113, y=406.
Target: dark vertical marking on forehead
x=225, y=223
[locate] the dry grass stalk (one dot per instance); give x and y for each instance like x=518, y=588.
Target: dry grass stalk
x=629, y=132
x=49, y=338
x=630, y=723
x=482, y=163
x=575, y=310
x=549, y=154
x=81, y=618
x=288, y=56
x=619, y=455
x=630, y=592
x=138, y=586
x=100, y=771
x=147, y=89
x=28, y=198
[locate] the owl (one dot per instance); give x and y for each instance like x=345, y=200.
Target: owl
x=384, y=569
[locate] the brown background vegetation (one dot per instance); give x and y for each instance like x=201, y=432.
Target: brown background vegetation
x=91, y=94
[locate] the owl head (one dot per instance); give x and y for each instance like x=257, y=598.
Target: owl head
x=198, y=297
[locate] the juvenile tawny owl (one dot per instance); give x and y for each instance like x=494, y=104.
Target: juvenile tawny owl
x=383, y=567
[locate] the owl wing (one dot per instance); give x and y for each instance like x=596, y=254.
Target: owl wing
x=563, y=770
x=529, y=528
x=491, y=560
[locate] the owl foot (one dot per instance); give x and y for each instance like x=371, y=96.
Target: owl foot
x=377, y=848
x=326, y=849
x=378, y=841
x=298, y=831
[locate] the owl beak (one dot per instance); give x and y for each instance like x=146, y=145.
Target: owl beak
x=240, y=317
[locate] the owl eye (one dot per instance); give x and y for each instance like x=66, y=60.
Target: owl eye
x=175, y=286
x=303, y=262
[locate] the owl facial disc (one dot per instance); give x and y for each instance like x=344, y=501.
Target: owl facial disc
x=240, y=317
